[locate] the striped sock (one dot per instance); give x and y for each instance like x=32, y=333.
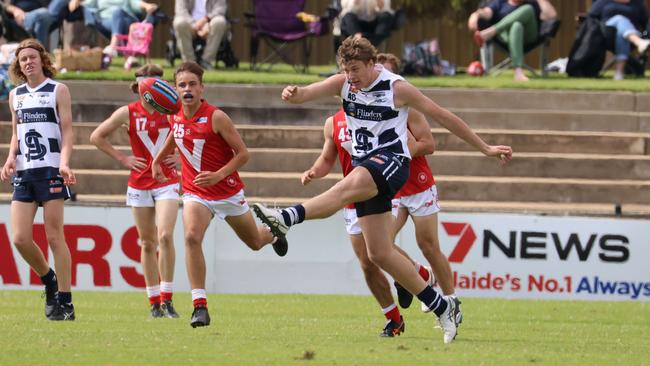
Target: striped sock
x=199, y=298
x=293, y=215
x=392, y=313
x=433, y=300
x=153, y=293
x=166, y=291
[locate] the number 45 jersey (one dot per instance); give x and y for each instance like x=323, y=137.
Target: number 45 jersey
x=147, y=134
x=373, y=121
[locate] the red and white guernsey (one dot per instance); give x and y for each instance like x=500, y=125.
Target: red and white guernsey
x=147, y=134
x=420, y=178
x=203, y=150
x=341, y=135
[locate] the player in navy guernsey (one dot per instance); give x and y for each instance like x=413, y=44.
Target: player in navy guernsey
x=380, y=159
x=38, y=165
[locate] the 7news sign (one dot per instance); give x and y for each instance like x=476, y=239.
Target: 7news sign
x=520, y=256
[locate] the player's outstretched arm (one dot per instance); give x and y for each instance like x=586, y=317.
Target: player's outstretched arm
x=222, y=125
x=64, y=108
x=423, y=143
x=326, y=88
x=100, y=136
x=327, y=158
x=407, y=94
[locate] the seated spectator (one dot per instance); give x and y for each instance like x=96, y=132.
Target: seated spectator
x=113, y=17
x=205, y=19
x=32, y=16
x=628, y=17
x=514, y=22
x=372, y=19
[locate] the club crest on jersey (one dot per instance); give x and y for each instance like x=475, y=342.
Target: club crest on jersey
x=231, y=181
x=422, y=177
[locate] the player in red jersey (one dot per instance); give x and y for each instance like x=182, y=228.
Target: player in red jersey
x=418, y=198
x=154, y=204
x=211, y=152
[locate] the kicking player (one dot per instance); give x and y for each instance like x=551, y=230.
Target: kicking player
x=418, y=199
x=154, y=204
x=38, y=164
x=211, y=152
x=376, y=104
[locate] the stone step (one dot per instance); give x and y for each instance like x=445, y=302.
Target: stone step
x=521, y=140
x=539, y=208
x=587, y=166
x=473, y=188
x=269, y=95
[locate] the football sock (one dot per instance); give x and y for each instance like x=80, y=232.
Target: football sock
x=392, y=313
x=49, y=279
x=65, y=298
x=293, y=215
x=153, y=293
x=199, y=298
x=433, y=300
x=166, y=291
x=424, y=273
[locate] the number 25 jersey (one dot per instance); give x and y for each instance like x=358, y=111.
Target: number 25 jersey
x=203, y=150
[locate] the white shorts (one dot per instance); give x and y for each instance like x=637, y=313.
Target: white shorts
x=148, y=197
x=234, y=205
x=424, y=203
x=352, y=220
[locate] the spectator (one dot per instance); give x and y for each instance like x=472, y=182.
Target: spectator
x=371, y=19
x=113, y=17
x=200, y=18
x=514, y=22
x=627, y=16
x=32, y=16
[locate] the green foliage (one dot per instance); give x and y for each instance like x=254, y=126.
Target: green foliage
x=114, y=329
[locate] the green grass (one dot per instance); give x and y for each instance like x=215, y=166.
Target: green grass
x=284, y=74
x=113, y=329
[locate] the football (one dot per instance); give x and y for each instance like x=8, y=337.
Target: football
x=475, y=69
x=160, y=95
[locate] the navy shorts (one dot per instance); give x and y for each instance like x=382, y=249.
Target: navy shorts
x=390, y=172
x=40, y=191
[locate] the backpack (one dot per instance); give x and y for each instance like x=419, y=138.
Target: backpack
x=588, y=51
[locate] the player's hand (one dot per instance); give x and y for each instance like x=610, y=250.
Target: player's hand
x=290, y=93
x=171, y=160
x=157, y=173
x=501, y=152
x=206, y=179
x=68, y=176
x=307, y=177
x=8, y=170
x=134, y=163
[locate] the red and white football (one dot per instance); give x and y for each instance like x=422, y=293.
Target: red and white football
x=160, y=95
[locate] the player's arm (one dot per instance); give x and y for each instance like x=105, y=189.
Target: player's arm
x=9, y=168
x=222, y=125
x=407, y=94
x=64, y=107
x=327, y=158
x=100, y=135
x=423, y=143
x=326, y=88
x=167, y=148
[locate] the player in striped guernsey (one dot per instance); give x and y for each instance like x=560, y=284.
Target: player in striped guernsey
x=154, y=204
x=376, y=103
x=418, y=198
x=38, y=164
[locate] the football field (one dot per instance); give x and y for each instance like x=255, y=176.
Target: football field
x=114, y=329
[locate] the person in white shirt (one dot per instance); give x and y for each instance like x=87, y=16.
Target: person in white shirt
x=371, y=19
x=200, y=18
